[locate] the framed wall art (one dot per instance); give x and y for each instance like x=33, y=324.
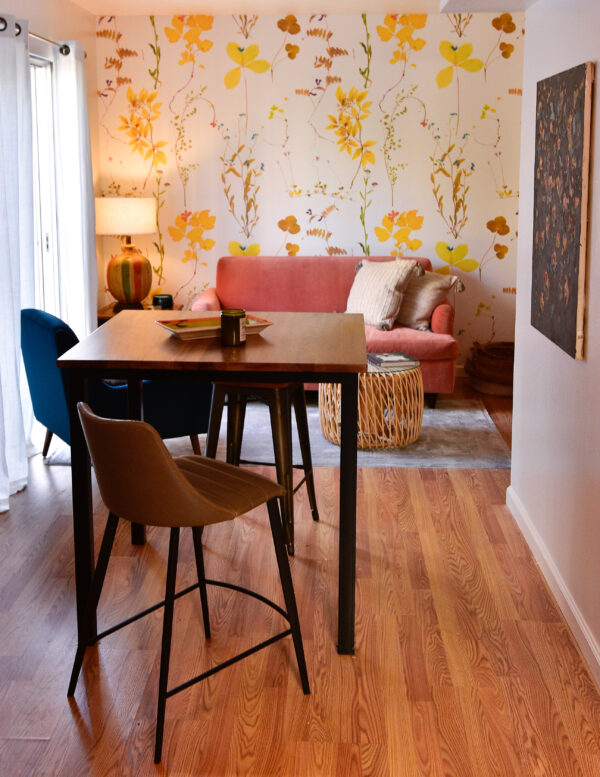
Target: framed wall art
x=562, y=160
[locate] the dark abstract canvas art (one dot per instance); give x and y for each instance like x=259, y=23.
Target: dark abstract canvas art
x=562, y=154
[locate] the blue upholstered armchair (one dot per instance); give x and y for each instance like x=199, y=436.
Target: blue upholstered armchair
x=175, y=409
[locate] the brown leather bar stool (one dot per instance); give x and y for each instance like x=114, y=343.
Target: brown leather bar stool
x=176, y=492
x=280, y=397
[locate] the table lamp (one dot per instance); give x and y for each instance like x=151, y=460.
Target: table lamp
x=129, y=274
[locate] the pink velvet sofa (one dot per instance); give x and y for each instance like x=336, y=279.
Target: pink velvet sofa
x=322, y=284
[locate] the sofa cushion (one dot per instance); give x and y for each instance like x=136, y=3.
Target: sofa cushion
x=424, y=345
x=421, y=296
x=377, y=290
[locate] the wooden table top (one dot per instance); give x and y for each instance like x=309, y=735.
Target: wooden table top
x=296, y=342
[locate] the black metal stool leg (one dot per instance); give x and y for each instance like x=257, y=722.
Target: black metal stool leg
x=214, y=424
x=197, y=534
x=94, y=596
x=299, y=402
x=47, y=441
x=165, y=653
x=236, y=415
x=195, y=441
x=281, y=427
x=287, y=587
x=135, y=393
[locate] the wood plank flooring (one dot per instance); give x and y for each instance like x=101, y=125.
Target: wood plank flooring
x=464, y=666
x=499, y=407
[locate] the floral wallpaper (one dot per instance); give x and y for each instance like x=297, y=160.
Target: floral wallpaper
x=347, y=134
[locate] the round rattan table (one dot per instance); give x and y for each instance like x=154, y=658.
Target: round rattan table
x=390, y=408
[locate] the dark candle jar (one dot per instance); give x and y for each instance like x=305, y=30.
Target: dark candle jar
x=233, y=327
x=162, y=301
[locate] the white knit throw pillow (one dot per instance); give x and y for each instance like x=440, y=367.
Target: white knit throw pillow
x=377, y=290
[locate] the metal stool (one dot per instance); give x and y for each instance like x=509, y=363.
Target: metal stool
x=280, y=397
x=186, y=491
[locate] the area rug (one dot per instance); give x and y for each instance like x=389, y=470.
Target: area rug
x=458, y=433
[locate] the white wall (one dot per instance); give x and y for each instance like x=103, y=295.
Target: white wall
x=555, y=489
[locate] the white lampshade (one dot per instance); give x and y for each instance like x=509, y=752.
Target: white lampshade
x=125, y=215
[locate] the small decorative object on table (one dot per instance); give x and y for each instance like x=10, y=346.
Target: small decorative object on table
x=162, y=301
x=233, y=327
x=390, y=407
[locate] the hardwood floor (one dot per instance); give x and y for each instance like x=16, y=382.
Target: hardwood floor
x=499, y=407
x=464, y=666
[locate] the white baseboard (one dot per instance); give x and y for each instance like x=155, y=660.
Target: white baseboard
x=573, y=615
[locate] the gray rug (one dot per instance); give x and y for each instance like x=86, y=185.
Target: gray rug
x=459, y=433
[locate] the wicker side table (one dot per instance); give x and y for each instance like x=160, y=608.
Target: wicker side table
x=390, y=408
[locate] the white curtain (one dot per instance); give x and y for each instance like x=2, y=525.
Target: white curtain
x=75, y=222
x=74, y=193
x=16, y=246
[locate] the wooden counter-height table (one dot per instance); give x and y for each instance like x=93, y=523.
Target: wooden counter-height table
x=305, y=347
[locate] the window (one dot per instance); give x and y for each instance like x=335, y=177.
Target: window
x=47, y=295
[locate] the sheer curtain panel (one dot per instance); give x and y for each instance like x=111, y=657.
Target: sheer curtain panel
x=16, y=245
x=74, y=193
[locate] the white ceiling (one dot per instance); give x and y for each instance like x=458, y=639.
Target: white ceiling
x=484, y=6
x=300, y=7
x=263, y=7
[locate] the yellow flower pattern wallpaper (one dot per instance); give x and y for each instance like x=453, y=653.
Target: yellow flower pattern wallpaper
x=356, y=134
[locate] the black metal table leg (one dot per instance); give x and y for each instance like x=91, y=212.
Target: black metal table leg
x=347, y=540
x=81, y=487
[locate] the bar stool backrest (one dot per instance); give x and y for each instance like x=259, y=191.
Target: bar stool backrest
x=138, y=478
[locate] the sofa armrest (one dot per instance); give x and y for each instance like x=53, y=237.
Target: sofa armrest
x=442, y=319
x=208, y=300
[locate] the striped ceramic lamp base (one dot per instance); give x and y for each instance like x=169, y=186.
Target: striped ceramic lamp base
x=129, y=278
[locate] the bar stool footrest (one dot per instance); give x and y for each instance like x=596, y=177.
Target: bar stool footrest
x=250, y=463
x=183, y=592
x=229, y=662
